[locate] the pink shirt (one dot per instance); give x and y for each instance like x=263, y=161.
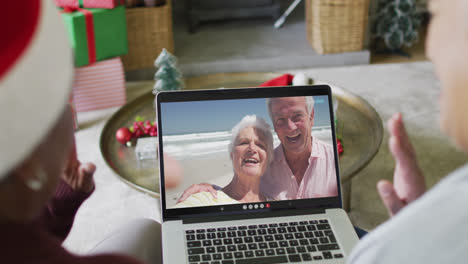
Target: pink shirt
x=319, y=178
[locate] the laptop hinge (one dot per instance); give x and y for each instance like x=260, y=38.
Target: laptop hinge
x=230, y=217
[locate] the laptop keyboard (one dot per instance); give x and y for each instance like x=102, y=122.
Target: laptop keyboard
x=265, y=243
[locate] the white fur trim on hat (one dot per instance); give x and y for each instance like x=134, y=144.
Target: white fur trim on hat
x=35, y=91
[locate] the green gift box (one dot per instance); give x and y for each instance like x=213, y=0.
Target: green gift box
x=96, y=34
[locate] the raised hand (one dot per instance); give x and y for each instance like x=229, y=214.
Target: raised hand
x=408, y=179
x=196, y=188
x=77, y=175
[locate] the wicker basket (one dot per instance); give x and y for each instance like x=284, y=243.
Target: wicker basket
x=335, y=26
x=149, y=31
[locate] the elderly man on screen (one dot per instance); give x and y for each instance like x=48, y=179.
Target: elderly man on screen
x=303, y=166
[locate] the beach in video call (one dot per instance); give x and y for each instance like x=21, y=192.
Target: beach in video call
x=197, y=134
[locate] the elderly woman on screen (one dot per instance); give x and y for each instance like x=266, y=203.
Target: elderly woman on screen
x=251, y=151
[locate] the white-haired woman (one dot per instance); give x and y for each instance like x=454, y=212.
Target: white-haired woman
x=251, y=150
x=42, y=183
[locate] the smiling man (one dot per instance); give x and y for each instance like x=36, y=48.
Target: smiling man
x=303, y=166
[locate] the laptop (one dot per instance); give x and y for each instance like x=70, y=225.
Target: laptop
x=195, y=131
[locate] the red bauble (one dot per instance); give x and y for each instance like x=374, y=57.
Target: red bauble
x=123, y=135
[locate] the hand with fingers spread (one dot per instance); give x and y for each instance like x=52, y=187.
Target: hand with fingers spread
x=408, y=179
x=196, y=188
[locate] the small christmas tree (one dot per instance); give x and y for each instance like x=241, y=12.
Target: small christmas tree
x=168, y=77
x=397, y=23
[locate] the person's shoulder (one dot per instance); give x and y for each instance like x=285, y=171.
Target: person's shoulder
x=278, y=151
x=206, y=198
x=197, y=199
x=278, y=156
x=436, y=216
x=457, y=177
x=322, y=143
x=323, y=146
x=223, y=198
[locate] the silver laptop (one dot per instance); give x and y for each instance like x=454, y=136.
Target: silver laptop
x=196, y=132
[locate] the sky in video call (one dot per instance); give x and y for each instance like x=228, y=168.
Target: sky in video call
x=221, y=115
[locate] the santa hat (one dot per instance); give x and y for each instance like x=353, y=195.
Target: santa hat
x=287, y=79
x=36, y=71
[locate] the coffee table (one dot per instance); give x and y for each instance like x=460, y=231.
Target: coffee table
x=358, y=124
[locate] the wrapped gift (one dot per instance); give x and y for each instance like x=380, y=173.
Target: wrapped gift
x=96, y=34
x=100, y=85
x=89, y=3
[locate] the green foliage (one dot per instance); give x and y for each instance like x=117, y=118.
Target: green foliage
x=168, y=77
x=397, y=23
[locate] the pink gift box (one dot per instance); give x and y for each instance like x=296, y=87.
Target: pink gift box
x=100, y=85
x=88, y=3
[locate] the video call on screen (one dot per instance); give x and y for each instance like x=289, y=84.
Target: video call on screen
x=197, y=134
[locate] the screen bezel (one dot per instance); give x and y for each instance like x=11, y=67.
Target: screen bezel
x=245, y=93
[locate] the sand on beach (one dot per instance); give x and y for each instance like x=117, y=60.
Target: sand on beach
x=213, y=169
x=204, y=158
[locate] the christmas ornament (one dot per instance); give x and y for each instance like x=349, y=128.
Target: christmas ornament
x=123, y=135
x=140, y=128
x=168, y=77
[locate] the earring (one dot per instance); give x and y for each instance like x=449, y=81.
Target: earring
x=36, y=183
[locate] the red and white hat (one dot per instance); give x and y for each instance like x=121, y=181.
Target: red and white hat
x=36, y=73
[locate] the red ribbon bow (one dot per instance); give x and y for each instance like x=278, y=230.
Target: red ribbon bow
x=89, y=31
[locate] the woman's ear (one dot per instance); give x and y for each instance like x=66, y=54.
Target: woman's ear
x=30, y=175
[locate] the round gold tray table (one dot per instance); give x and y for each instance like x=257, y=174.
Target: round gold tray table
x=359, y=125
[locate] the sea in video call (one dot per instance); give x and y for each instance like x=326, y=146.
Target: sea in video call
x=204, y=145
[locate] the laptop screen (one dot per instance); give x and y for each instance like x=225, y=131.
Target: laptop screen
x=259, y=149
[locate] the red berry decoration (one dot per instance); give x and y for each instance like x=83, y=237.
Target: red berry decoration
x=339, y=146
x=138, y=129
x=123, y=135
